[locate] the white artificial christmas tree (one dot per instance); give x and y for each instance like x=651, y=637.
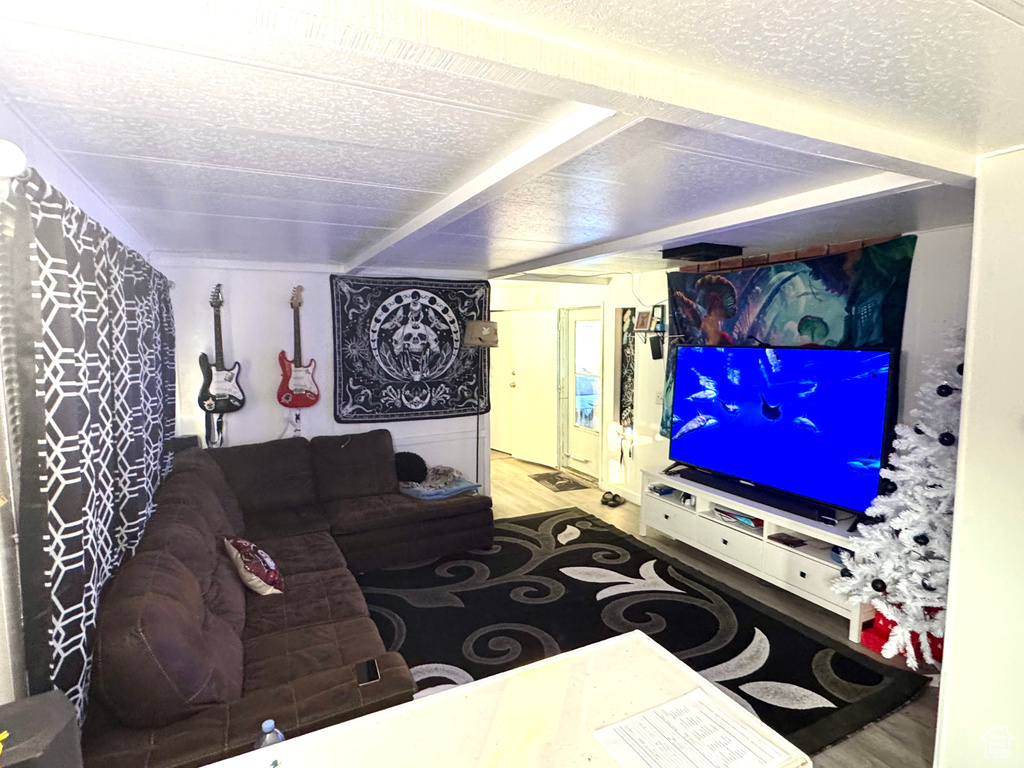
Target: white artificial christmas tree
x=902, y=563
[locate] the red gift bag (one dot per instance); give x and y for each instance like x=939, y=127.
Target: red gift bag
x=877, y=635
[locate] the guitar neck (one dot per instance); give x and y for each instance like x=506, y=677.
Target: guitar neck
x=298, y=338
x=217, y=345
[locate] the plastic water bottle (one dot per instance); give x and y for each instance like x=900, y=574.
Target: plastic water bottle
x=269, y=736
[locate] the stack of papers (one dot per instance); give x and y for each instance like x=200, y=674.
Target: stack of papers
x=693, y=731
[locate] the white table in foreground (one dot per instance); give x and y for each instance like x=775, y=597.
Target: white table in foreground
x=541, y=714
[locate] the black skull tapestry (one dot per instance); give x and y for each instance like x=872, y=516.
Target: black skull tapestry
x=399, y=352
x=90, y=362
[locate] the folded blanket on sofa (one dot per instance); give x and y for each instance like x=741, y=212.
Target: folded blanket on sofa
x=455, y=487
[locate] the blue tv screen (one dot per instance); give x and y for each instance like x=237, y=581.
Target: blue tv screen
x=811, y=422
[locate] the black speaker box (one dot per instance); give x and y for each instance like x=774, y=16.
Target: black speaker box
x=42, y=732
x=656, y=348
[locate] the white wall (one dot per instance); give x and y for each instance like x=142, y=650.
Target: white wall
x=649, y=448
x=983, y=674
x=936, y=304
x=257, y=325
x=523, y=294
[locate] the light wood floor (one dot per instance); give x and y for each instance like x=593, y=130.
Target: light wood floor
x=905, y=739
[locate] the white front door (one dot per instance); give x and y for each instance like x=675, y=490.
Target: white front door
x=501, y=379
x=524, y=385
x=584, y=345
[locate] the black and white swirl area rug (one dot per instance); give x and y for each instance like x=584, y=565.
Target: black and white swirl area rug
x=560, y=580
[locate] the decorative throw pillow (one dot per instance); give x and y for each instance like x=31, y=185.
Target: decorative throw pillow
x=255, y=567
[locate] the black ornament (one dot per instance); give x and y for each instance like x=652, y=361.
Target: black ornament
x=943, y=390
x=878, y=585
x=926, y=586
x=887, y=487
x=846, y=573
x=922, y=539
x=960, y=369
x=947, y=439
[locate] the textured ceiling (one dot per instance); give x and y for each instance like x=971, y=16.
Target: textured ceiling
x=241, y=142
x=951, y=70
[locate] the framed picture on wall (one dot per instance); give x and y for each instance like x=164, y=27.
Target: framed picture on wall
x=643, y=320
x=658, y=318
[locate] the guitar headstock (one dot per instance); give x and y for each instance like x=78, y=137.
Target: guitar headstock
x=216, y=297
x=296, y=301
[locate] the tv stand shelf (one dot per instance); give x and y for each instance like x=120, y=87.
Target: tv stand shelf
x=690, y=514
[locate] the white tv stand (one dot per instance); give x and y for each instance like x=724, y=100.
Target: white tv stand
x=805, y=571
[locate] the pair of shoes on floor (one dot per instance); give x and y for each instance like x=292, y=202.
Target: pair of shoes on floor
x=612, y=499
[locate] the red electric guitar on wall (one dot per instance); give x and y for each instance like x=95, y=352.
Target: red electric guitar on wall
x=297, y=390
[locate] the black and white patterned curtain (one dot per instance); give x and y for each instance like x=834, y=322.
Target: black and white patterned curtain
x=87, y=342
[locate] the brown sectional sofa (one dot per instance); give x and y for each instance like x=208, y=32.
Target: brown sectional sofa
x=188, y=662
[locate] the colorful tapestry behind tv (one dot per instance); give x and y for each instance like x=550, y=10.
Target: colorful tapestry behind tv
x=854, y=299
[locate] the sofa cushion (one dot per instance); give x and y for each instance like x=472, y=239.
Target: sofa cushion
x=349, y=466
x=225, y=596
x=188, y=489
x=312, y=598
x=287, y=656
x=375, y=512
x=293, y=521
x=199, y=461
x=305, y=553
x=417, y=542
x=179, y=529
x=268, y=476
x=160, y=655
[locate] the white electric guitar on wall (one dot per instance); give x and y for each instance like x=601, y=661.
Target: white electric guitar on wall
x=221, y=391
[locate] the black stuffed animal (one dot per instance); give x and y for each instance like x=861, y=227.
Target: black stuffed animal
x=411, y=467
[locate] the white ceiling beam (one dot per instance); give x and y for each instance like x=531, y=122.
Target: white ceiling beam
x=878, y=185
x=575, y=131
x=571, y=279
x=573, y=64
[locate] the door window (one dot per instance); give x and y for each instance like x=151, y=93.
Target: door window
x=587, y=373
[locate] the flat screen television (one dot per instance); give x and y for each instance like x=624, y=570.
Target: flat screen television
x=814, y=423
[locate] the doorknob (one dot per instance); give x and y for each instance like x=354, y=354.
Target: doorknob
x=513, y=385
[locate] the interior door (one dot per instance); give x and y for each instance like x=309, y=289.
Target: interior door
x=501, y=377
x=527, y=390
x=585, y=349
